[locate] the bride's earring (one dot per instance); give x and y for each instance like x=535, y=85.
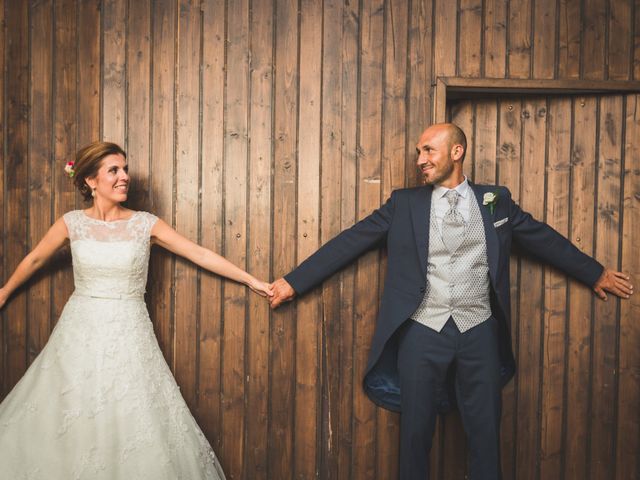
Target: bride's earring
x=93, y=192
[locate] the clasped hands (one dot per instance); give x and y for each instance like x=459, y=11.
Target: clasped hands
x=610, y=281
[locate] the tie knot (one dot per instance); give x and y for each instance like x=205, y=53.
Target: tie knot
x=452, y=197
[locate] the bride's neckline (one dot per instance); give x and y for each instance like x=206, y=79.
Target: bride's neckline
x=109, y=221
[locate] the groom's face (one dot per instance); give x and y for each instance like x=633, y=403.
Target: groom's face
x=434, y=156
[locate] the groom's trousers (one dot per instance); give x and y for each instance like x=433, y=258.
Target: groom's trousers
x=424, y=359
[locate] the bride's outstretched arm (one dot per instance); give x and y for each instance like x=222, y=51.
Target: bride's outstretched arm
x=165, y=236
x=55, y=238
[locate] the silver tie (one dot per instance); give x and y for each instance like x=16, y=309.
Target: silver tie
x=452, y=224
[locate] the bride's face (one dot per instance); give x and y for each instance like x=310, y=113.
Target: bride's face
x=112, y=180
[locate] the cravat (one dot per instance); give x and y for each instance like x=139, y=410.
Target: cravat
x=452, y=224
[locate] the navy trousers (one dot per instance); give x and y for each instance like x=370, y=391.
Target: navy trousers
x=424, y=359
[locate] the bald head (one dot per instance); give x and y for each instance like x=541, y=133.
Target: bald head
x=448, y=132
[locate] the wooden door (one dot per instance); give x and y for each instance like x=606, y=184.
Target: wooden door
x=572, y=410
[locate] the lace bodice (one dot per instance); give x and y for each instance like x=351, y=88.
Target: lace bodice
x=110, y=259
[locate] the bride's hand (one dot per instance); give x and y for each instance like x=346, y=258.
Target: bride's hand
x=261, y=288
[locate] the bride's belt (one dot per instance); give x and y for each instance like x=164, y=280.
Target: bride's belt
x=110, y=296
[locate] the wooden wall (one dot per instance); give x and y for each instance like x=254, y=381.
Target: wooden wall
x=261, y=128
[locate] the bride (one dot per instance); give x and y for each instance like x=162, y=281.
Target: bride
x=99, y=401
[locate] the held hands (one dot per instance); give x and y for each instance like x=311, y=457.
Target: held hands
x=613, y=282
x=282, y=292
x=261, y=288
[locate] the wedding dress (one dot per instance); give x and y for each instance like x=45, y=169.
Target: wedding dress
x=100, y=402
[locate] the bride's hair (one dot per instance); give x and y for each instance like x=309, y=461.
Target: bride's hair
x=88, y=162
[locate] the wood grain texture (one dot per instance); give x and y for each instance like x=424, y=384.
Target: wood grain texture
x=40, y=168
x=114, y=98
x=558, y=169
x=65, y=138
x=628, y=395
x=544, y=39
x=495, y=38
x=470, y=44
x=569, y=39
x=260, y=239
x=519, y=39
x=284, y=178
x=583, y=166
x=16, y=192
x=508, y=173
x=445, y=45
x=605, y=321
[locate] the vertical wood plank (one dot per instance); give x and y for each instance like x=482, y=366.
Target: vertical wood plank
x=235, y=236
x=330, y=190
x=485, y=144
x=16, y=192
x=349, y=380
x=495, y=38
x=186, y=203
x=580, y=299
x=544, y=39
x=260, y=248
x=138, y=84
x=620, y=39
x=555, y=283
x=508, y=171
x=89, y=28
x=605, y=322
x=284, y=237
x=569, y=41
x=419, y=98
x=65, y=128
x=161, y=268
x=446, y=18
x=209, y=413
x=114, y=108
x=593, y=39
x=307, y=397
x=393, y=177
x=530, y=310
x=519, y=40
x=39, y=167
x=628, y=422
x=470, y=42
x=369, y=192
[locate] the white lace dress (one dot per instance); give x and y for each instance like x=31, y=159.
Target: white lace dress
x=100, y=402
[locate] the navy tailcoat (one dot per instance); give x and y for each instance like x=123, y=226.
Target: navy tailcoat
x=402, y=224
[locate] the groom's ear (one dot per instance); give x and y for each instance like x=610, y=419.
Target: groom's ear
x=457, y=152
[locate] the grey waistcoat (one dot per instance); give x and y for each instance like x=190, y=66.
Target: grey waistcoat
x=458, y=283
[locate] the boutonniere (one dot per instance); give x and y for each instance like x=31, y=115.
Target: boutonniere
x=490, y=199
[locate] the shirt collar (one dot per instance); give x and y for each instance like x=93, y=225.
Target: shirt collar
x=462, y=189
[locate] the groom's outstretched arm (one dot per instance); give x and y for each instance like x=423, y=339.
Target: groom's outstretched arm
x=335, y=254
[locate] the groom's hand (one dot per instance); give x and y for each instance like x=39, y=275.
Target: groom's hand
x=282, y=292
x=613, y=282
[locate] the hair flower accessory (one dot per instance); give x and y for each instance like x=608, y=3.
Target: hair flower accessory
x=490, y=199
x=68, y=169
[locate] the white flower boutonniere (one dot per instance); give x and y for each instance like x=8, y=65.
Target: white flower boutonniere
x=490, y=199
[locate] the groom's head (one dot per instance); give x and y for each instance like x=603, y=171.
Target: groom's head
x=441, y=150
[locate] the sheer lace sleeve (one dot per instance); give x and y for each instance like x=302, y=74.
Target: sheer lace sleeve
x=142, y=224
x=74, y=223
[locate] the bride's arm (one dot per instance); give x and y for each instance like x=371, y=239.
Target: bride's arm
x=165, y=236
x=55, y=238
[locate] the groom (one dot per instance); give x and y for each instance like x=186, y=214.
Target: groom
x=445, y=306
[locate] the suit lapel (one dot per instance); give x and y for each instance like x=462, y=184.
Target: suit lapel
x=420, y=216
x=489, y=230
